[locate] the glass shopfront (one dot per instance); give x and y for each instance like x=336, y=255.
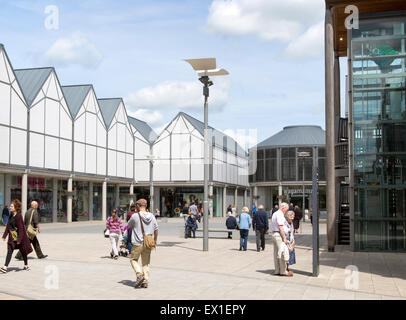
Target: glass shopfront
x=80, y=201
x=125, y=198
x=173, y=199
x=217, y=202
x=379, y=117
x=62, y=201
x=97, y=201
x=40, y=190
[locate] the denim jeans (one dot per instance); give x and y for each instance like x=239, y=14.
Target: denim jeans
x=5, y=220
x=244, y=238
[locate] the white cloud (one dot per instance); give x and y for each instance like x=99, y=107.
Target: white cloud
x=75, y=50
x=158, y=130
x=149, y=116
x=310, y=44
x=180, y=95
x=289, y=21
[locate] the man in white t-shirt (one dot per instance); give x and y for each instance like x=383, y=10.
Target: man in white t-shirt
x=279, y=237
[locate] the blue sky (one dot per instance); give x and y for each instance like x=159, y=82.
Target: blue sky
x=134, y=49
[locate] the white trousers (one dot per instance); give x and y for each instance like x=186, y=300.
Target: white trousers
x=114, y=238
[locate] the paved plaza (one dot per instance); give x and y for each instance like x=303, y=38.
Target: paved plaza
x=79, y=267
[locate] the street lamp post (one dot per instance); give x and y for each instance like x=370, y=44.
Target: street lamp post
x=206, y=67
x=303, y=155
x=151, y=158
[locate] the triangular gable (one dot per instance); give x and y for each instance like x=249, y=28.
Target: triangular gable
x=75, y=96
x=7, y=74
x=144, y=129
x=31, y=81
x=109, y=108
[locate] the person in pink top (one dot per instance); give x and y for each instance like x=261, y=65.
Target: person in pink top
x=115, y=226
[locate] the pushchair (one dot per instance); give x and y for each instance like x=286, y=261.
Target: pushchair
x=123, y=248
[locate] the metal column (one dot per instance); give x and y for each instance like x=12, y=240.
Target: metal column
x=330, y=129
x=91, y=201
x=69, y=201
x=54, y=200
x=104, y=200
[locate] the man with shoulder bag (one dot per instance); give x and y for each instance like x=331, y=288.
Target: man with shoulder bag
x=144, y=238
x=31, y=221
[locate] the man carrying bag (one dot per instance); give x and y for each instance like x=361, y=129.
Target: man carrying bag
x=31, y=221
x=144, y=238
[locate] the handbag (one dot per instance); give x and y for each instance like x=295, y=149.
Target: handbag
x=149, y=241
x=14, y=234
x=31, y=231
x=106, y=233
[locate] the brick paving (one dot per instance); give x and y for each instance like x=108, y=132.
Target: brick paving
x=79, y=256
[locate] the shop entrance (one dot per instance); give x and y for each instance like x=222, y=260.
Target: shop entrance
x=172, y=200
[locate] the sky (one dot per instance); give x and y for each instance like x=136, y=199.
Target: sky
x=134, y=49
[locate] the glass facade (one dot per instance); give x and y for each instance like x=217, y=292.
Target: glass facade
x=379, y=118
x=80, y=201
x=97, y=201
x=291, y=165
x=62, y=201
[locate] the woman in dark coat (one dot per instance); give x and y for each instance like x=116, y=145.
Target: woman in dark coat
x=297, y=218
x=17, y=236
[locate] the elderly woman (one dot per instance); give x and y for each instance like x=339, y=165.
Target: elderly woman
x=17, y=236
x=245, y=225
x=289, y=232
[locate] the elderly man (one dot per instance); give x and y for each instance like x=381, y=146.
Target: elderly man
x=33, y=211
x=279, y=238
x=260, y=226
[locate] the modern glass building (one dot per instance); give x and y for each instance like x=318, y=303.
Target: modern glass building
x=366, y=177
x=80, y=156
x=281, y=174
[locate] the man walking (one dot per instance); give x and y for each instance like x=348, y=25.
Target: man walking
x=261, y=226
x=5, y=214
x=33, y=211
x=279, y=239
x=142, y=223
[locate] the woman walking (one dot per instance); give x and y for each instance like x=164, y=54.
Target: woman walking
x=17, y=236
x=115, y=226
x=245, y=225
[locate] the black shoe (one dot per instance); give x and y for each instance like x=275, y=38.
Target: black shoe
x=2, y=270
x=27, y=268
x=245, y=249
x=263, y=249
x=258, y=250
x=43, y=256
x=144, y=285
x=240, y=248
x=115, y=257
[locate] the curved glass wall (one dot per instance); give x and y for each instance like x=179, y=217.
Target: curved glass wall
x=379, y=117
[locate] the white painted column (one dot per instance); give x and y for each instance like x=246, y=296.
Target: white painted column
x=211, y=200
x=54, y=200
x=280, y=194
x=104, y=200
x=255, y=195
x=236, y=199
x=132, y=193
x=224, y=201
x=90, y=211
x=24, y=193
x=245, y=198
x=69, y=204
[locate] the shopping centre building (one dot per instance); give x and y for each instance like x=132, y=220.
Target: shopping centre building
x=282, y=174
x=80, y=156
x=365, y=145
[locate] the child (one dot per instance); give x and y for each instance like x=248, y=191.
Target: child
x=191, y=225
